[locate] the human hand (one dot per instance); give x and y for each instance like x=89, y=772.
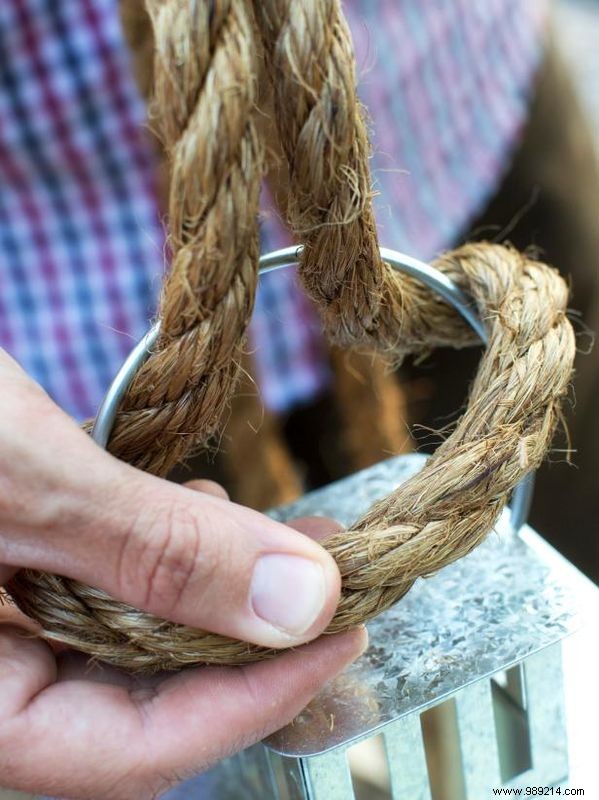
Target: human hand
x=72, y=730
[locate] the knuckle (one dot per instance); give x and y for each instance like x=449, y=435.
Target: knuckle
x=173, y=557
x=15, y=495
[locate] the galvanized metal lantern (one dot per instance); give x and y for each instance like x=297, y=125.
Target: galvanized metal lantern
x=462, y=679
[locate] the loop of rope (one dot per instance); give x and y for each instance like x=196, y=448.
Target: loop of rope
x=202, y=61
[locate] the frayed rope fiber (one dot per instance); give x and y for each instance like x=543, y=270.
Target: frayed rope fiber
x=205, y=67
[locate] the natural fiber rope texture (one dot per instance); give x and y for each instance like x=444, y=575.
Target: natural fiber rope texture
x=448, y=508
x=431, y=520
x=204, y=109
x=323, y=135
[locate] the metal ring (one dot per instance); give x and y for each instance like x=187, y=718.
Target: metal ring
x=288, y=256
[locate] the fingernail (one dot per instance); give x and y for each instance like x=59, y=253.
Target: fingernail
x=289, y=592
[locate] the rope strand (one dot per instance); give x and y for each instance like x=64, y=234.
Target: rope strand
x=203, y=109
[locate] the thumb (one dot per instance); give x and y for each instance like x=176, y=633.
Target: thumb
x=188, y=556
x=202, y=560
x=68, y=507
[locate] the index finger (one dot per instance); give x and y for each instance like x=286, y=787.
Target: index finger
x=317, y=528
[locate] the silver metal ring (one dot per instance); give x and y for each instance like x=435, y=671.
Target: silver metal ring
x=288, y=256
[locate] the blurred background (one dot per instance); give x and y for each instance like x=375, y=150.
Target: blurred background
x=577, y=27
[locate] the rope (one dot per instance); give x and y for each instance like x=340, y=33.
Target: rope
x=202, y=61
x=203, y=108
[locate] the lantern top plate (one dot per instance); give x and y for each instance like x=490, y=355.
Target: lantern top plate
x=509, y=598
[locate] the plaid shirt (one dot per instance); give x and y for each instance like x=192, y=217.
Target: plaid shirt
x=81, y=244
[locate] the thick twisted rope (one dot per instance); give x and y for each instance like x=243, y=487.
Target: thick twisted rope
x=204, y=106
x=323, y=135
x=431, y=520
x=440, y=514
